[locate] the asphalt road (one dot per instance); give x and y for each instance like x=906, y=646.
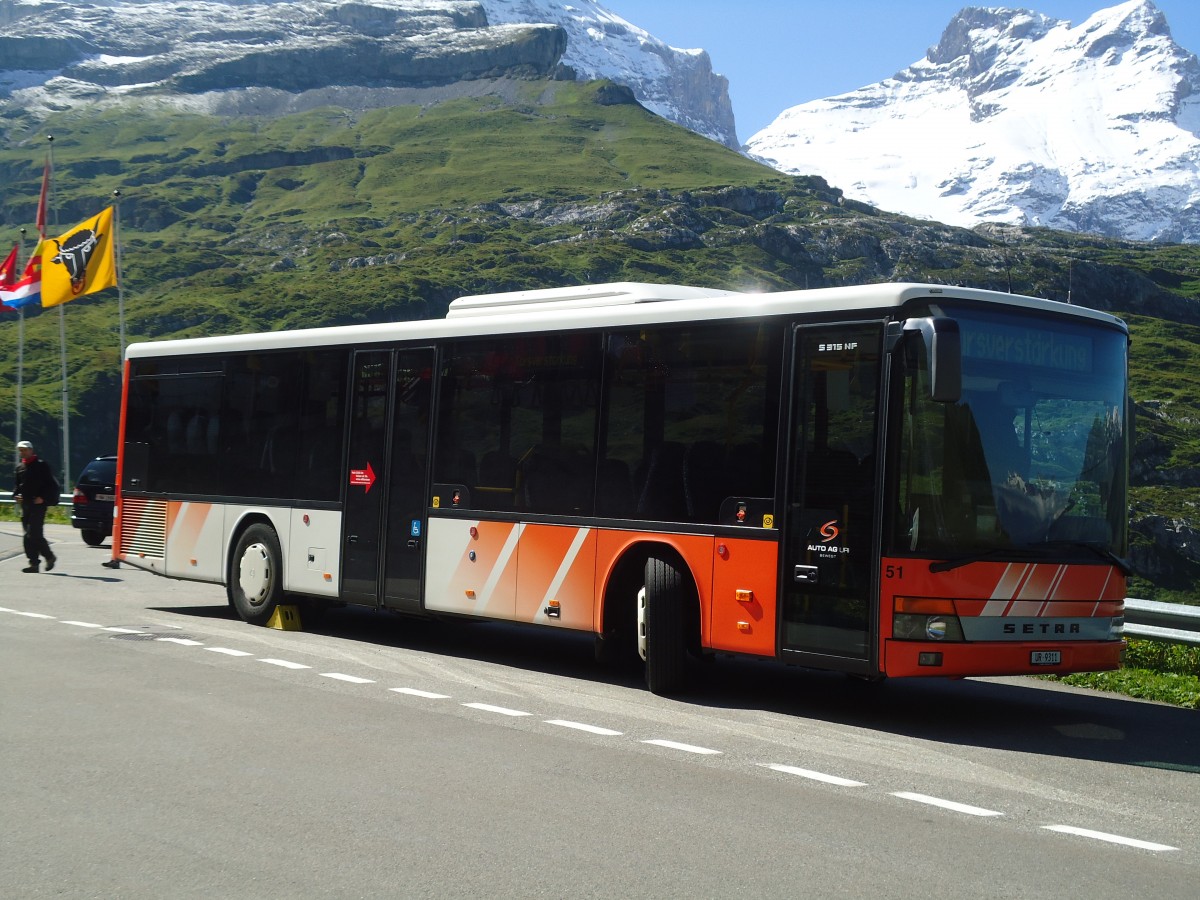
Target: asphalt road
x=152, y=745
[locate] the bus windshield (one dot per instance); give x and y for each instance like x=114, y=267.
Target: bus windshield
x=1033, y=454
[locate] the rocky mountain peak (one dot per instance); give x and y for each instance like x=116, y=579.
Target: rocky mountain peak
x=263, y=55
x=1019, y=118
x=962, y=38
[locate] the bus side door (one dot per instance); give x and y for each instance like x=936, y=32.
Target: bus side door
x=385, y=487
x=827, y=580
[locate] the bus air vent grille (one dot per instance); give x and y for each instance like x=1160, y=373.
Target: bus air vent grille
x=143, y=527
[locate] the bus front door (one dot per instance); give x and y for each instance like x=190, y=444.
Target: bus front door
x=385, y=488
x=827, y=579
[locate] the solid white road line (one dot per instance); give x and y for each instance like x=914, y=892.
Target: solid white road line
x=580, y=726
x=34, y=615
x=816, y=776
x=1110, y=838
x=686, y=748
x=81, y=624
x=946, y=804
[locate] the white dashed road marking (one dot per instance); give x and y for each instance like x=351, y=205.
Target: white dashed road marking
x=608, y=732
x=504, y=711
x=428, y=695
x=946, y=804
x=1110, y=838
x=353, y=679
x=580, y=726
x=817, y=776
x=686, y=748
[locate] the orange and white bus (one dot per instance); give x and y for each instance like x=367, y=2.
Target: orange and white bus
x=889, y=480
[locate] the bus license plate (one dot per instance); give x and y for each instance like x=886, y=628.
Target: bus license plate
x=1045, y=657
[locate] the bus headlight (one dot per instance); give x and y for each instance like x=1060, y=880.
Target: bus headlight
x=921, y=619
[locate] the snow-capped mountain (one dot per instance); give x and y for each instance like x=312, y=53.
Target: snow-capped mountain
x=1019, y=118
x=678, y=85
x=279, y=55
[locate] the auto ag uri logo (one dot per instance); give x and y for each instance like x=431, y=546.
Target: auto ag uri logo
x=829, y=531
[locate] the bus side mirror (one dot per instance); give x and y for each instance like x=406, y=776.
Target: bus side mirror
x=944, y=352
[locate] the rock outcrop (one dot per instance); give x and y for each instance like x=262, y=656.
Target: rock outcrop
x=222, y=55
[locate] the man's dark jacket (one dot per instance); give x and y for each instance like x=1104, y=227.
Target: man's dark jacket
x=33, y=478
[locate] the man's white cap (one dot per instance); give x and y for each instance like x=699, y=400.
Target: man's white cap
x=24, y=445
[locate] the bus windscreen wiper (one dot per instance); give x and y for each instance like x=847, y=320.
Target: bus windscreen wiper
x=947, y=565
x=1103, y=552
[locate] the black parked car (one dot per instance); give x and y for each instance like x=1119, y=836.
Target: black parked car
x=94, y=498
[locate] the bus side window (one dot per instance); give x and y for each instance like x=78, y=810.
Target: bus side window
x=705, y=480
x=458, y=467
x=556, y=479
x=614, y=490
x=663, y=495
x=689, y=410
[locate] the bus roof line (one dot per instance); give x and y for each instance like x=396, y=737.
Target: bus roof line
x=578, y=296
x=620, y=304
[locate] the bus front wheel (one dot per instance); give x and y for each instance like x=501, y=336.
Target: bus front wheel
x=256, y=576
x=662, y=624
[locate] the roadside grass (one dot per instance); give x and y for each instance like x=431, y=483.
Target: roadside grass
x=1151, y=670
x=56, y=515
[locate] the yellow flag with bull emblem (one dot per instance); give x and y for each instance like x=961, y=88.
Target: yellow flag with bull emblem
x=80, y=261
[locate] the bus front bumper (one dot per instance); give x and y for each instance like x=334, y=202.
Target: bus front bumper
x=924, y=659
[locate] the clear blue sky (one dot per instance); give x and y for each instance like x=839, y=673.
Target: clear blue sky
x=778, y=53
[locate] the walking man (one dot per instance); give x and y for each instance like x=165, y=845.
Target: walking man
x=33, y=487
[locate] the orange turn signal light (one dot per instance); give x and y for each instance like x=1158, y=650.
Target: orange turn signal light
x=924, y=606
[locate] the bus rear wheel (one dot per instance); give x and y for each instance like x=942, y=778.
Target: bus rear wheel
x=256, y=576
x=662, y=624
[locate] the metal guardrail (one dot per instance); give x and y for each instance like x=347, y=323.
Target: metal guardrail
x=1174, y=623
x=63, y=499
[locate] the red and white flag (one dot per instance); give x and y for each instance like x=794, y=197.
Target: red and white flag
x=41, y=209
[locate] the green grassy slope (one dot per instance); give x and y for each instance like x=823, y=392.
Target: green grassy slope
x=336, y=216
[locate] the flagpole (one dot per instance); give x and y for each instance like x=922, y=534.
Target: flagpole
x=120, y=287
x=62, y=343
x=20, y=361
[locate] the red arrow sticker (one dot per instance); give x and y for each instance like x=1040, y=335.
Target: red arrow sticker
x=363, y=477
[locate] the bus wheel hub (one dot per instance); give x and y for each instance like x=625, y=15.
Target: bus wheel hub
x=254, y=574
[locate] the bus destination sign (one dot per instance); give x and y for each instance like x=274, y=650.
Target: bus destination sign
x=1016, y=345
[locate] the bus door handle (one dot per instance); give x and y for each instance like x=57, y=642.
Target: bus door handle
x=414, y=544
x=806, y=574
